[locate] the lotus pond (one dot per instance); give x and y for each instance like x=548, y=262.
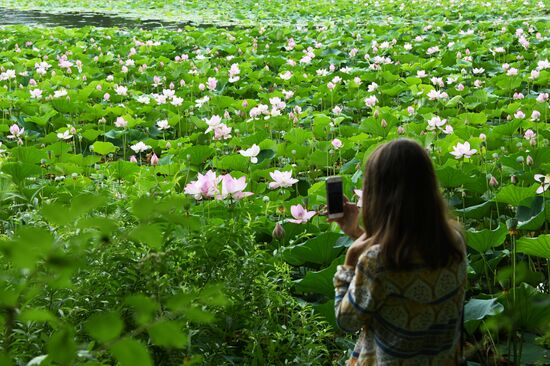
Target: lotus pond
x=161, y=191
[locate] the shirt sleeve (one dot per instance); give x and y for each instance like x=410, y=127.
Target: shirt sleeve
x=359, y=293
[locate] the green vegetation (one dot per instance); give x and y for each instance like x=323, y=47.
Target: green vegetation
x=157, y=187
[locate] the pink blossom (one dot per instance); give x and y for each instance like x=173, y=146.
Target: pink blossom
x=212, y=83
x=206, y=186
x=482, y=136
x=36, y=93
x=371, y=101
x=154, y=159
x=463, y=150
x=493, y=181
x=121, y=122
x=337, y=110
x=281, y=179
x=16, y=131
x=518, y=96
x=410, y=110
x=133, y=159
x=106, y=96
x=529, y=134
x=460, y=87
x=519, y=114
x=213, y=123
x=512, y=71
x=436, y=123
x=234, y=187
x=337, y=143
x=121, y=90
x=222, y=132
x=535, y=116
x=542, y=97
x=300, y=214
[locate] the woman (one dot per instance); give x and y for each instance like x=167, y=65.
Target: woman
x=403, y=279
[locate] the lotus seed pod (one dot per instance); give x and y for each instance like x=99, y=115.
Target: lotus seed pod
x=278, y=232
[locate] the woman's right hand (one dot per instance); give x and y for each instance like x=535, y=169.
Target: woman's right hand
x=349, y=223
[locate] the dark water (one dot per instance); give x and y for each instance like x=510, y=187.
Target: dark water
x=83, y=19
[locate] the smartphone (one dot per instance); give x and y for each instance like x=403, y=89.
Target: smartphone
x=335, y=197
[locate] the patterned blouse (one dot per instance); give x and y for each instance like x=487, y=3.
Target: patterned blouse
x=406, y=317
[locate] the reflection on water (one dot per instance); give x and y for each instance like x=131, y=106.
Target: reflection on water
x=79, y=20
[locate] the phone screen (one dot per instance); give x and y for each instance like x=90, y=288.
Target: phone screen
x=335, y=197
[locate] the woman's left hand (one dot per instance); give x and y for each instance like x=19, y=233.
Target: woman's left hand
x=355, y=251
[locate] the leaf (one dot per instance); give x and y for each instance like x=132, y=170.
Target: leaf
x=37, y=315
x=198, y=154
x=61, y=347
x=514, y=195
x=167, y=334
x=473, y=118
x=130, y=352
x=539, y=246
x=478, y=309
x=20, y=171
x=143, y=306
x=298, y=136
x=319, y=250
x=484, y=240
x=104, y=326
x=319, y=282
x=103, y=148
x=149, y=234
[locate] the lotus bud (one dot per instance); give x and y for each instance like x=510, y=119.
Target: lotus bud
x=133, y=159
x=400, y=130
x=244, y=103
x=520, y=159
x=384, y=124
x=482, y=136
x=514, y=179
x=154, y=159
x=529, y=160
x=168, y=145
x=376, y=113
x=278, y=232
x=493, y=181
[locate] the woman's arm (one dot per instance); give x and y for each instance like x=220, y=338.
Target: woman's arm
x=359, y=292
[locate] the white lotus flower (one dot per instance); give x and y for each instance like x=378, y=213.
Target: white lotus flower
x=251, y=153
x=140, y=147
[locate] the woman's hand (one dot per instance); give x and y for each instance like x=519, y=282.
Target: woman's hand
x=349, y=223
x=355, y=251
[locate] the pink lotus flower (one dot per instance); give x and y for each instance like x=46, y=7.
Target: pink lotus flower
x=163, y=124
x=251, y=153
x=519, y=114
x=535, y=116
x=337, y=143
x=529, y=134
x=121, y=122
x=214, y=122
x=493, y=182
x=371, y=101
x=222, y=132
x=300, y=214
x=460, y=87
x=512, y=71
x=463, y=150
x=410, y=110
x=234, y=187
x=106, y=96
x=482, y=136
x=337, y=110
x=206, y=186
x=154, y=159
x=16, y=131
x=544, y=181
x=542, y=97
x=281, y=179
x=36, y=93
x=436, y=123
x=133, y=159
x=121, y=90
x=212, y=83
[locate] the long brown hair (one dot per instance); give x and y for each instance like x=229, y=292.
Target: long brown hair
x=403, y=209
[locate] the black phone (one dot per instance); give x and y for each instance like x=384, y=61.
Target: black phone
x=335, y=197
